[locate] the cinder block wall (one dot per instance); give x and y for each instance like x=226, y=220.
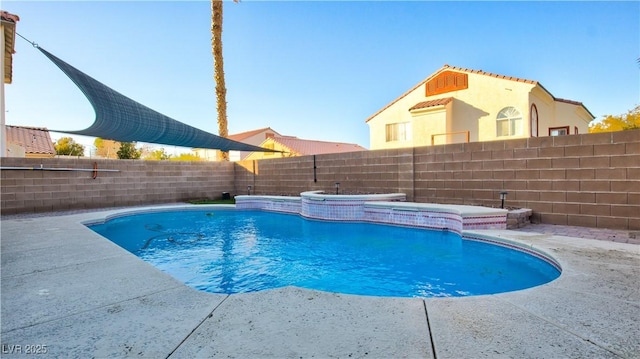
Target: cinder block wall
x=590, y=180
x=136, y=183
x=357, y=172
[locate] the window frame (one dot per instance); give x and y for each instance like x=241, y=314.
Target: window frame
x=534, y=119
x=565, y=128
x=397, y=131
x=269, y=146
x=514, y=120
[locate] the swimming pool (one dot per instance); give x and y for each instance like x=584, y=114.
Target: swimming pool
x=230, y=251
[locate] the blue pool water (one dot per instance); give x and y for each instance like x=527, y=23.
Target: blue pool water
x=227, y=251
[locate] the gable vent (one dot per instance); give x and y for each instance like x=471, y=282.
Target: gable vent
x=447, y=81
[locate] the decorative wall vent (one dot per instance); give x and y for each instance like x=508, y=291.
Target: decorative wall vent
x=447, y=81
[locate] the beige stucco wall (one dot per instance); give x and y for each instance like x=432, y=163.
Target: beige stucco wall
x=427, y=122
x=475, y=110
x=545, y=104
x=478, y=106
x=552, y=113
x=256, y=140
x=396, y=113
x=286, y=152
x=15, y=150
x=571, y=115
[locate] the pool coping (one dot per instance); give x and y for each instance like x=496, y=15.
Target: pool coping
x=81, y=295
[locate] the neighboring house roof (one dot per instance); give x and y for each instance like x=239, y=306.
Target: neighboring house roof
x=432, y=103
x=243, y=135
x=313, y=147
x=9, y=25
x=479, y=72
x=32, y=139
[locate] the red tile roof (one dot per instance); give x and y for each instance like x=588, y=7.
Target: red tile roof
x=432, y=103
x=6, y=16
x=33, y=139
x=568, y=101
x=480, y=72
x=312, y=147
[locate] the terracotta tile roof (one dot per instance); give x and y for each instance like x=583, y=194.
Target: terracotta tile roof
x=241, y=136
x=312, y=147
x=568, y=101
x=6, y=16
x=431, y=103
x=33, y=139
x=480, y=72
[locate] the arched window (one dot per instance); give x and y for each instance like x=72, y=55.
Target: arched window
x=509, y=122
x=534, y=120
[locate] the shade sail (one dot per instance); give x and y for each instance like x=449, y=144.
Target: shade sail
x=120, y=118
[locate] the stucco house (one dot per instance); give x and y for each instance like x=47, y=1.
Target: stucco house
x=253, y=137
x=461, y=105
x=291, y=146
x=29, y=142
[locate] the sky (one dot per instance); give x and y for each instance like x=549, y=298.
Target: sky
x=315, y=70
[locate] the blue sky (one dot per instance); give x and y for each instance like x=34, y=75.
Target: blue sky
x=315, y=70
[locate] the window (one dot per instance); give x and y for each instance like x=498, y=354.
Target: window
x=509, y=122
x=534, y=120
x=559, y=131
x=269, y=146
x=398, y=131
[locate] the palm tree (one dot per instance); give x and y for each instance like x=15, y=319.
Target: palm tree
x=218, y=69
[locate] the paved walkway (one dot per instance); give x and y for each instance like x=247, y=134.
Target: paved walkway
x=603, y=234
x=72, y=293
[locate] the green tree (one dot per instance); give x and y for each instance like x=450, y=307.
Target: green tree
x=128, y=151
x=627, y=121
x=106, y=148
x=67, y=146
x=186, y=157
x=157, y=155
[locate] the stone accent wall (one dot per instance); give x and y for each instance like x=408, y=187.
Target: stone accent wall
x=518, y=218
x=590, y=180
x=137, y=183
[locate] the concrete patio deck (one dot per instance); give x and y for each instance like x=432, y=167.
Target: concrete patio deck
x=78, y=294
